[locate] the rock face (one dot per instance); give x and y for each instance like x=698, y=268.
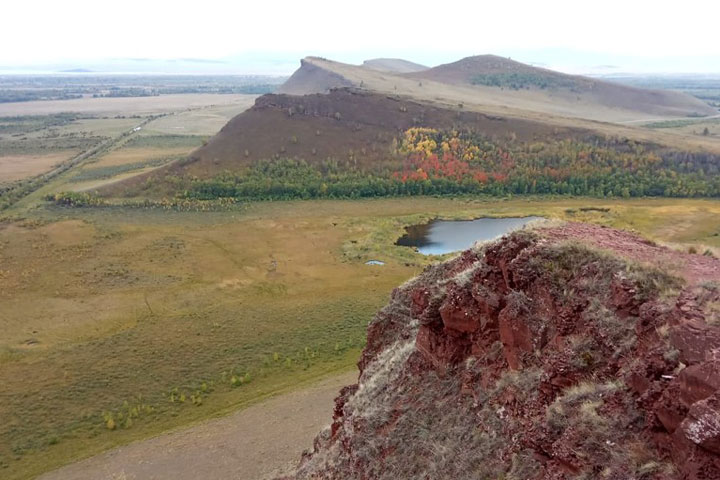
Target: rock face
x=538, y=357
x=312, y=78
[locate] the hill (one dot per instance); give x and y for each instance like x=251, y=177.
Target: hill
x=355, y=128
x=496, y=85
x=547, y=354
x=335, y=125
x=356, y=143
x=396, y=65
x=503, y=73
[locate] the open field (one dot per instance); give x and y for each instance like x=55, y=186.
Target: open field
x=31, y=145
x=131, y=155
x=123, y=323
x=101, y=126
x=17, y=167
x=204, y=121
x=124, y=105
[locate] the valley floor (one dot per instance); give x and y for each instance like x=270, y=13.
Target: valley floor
x=121, y=324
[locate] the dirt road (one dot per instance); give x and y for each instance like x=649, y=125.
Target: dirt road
x=259, y=442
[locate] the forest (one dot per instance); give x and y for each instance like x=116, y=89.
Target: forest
x=518, y=81
x=434, y=162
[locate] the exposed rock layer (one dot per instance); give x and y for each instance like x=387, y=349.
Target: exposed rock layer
x=538, y=356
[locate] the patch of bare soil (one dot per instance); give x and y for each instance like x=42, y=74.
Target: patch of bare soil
x=262, y=441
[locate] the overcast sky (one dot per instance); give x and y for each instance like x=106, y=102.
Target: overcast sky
x=659, y=35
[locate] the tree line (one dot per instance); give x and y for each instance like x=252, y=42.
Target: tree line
x=432, y=162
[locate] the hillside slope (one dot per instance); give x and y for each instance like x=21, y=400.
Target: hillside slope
x=451, y=84
x=396, y=65
x=340, y=124
x=501, y=72
x=354, y=136
x=550, y=354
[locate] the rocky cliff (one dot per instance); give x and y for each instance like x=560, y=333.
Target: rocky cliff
x=572, y=351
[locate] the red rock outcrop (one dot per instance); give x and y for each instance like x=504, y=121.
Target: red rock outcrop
x=539, y=356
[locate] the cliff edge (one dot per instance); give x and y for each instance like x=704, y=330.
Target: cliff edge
x=571, y=351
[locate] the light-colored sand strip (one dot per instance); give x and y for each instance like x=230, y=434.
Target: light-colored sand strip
x=260, y=442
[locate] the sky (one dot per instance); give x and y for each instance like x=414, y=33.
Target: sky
x=271, y=36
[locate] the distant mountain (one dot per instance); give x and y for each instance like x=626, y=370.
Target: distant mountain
x=77, y=70
x=495, y=83
x=396, y=65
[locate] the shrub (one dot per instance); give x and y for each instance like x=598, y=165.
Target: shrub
x=75, y=199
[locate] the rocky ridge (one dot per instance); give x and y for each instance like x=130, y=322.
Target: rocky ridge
x=572, y=351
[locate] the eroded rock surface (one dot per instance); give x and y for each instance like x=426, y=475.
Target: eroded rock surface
x=568, y=352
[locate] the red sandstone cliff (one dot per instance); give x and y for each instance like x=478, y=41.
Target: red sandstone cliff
x=567, y=352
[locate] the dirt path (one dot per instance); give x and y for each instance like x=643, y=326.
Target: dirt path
x=259, y=442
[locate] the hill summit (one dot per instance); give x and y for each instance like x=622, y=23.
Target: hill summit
x=463, y=70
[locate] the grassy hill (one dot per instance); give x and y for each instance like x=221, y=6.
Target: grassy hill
x=498, y=85
x=503, y=73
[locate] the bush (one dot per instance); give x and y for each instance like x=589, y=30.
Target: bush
x=75, y=199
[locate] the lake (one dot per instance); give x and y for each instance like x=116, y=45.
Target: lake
x=444, y=236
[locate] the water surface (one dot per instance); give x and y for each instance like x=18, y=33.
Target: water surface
x=444, y=236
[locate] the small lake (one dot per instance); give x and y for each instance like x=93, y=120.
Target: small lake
x=444, y=236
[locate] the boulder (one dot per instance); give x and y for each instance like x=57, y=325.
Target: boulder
x=698, y=382
x=702, y=424
x=695, y=340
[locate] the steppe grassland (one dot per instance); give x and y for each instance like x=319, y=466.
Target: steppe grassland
x=30, y=146
x=35, y=144
x=122, y=323
x=203, y=121
x=17, y=167
x=141, y=106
